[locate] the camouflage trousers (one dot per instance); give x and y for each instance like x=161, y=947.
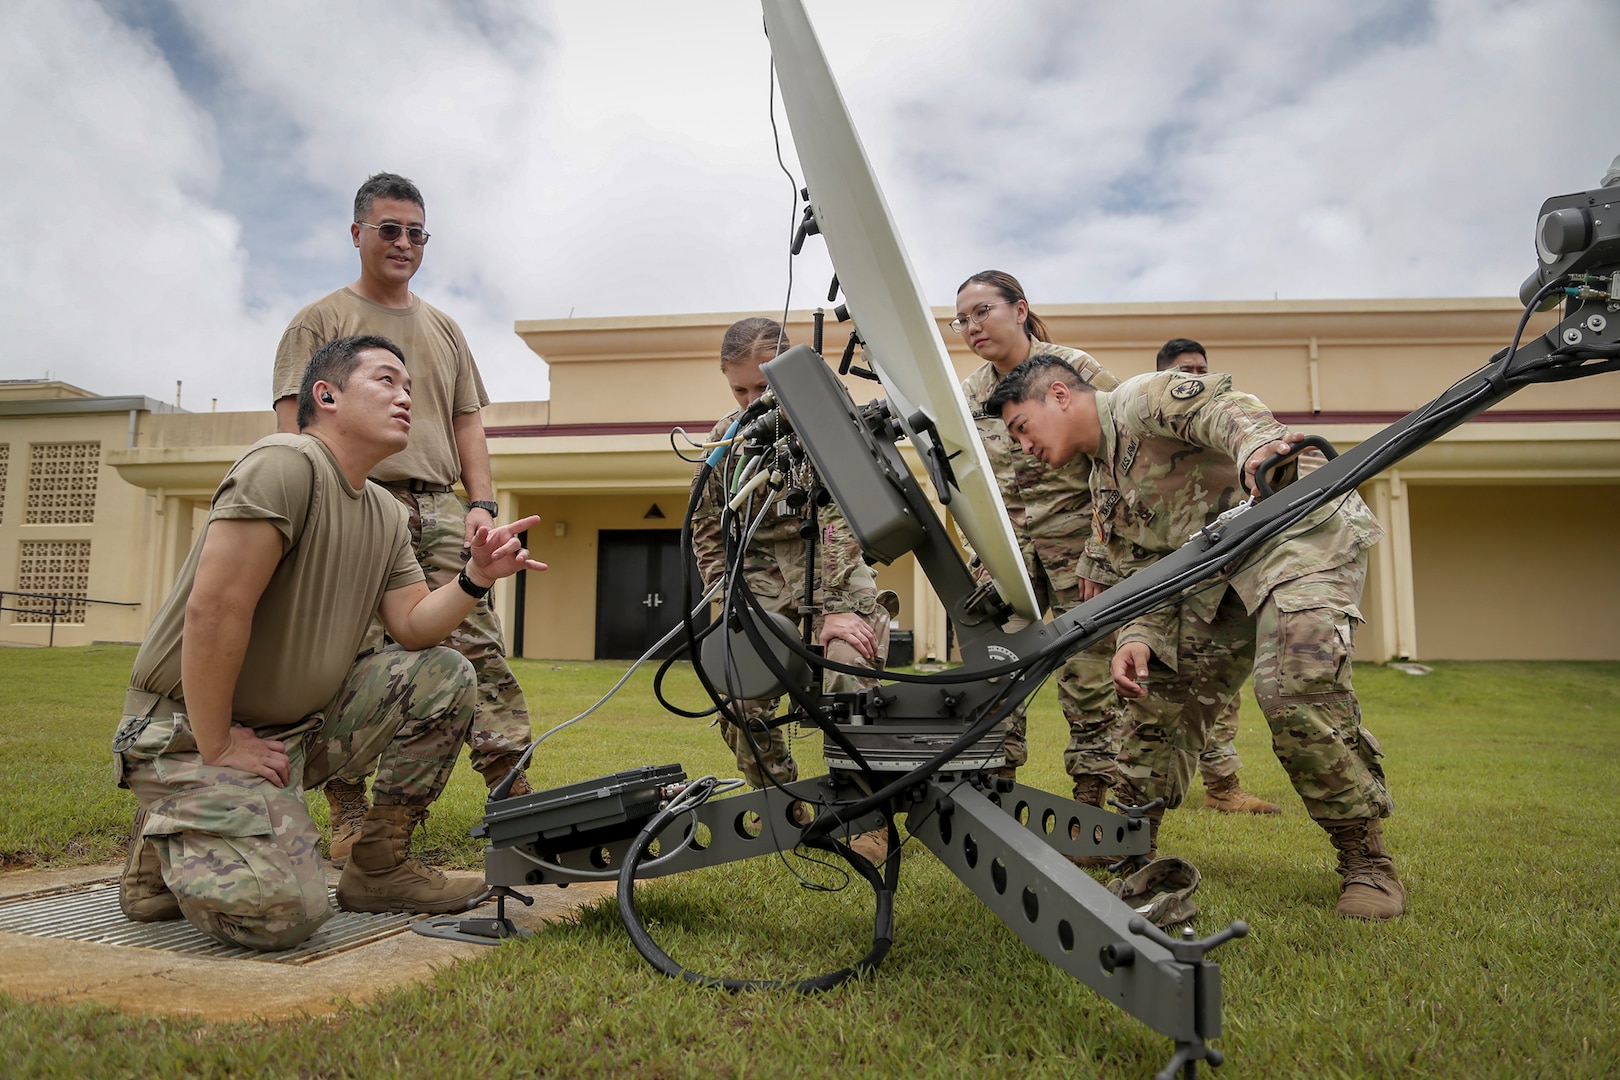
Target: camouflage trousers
x=1300, y=642
x=1219, y=758
x=1085, y=685
x=240, y=854
x=438, y=521
x=762, y=752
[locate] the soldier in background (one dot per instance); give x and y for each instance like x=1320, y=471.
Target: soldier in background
x=1169, y=452
x=251, y=684
x=853, y=624
x=1050, y=510
x=1218, y=764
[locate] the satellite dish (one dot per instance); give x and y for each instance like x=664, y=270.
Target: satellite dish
x=902, y=339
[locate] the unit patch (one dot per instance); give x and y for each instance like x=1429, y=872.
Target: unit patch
x=1186, y=389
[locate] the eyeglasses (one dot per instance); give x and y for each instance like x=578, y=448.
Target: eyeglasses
x=962, y=322
x=390, y=231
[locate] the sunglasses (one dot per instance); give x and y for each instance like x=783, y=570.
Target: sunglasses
x=389, y=231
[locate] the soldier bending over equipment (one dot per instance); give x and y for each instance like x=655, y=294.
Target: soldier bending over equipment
x=1163, y=450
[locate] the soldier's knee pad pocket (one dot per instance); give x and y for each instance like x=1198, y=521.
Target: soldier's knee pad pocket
x=1316, y=640
x=223, y=853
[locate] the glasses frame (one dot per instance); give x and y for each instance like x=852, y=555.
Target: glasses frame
x=962, y=322
x=409, y=232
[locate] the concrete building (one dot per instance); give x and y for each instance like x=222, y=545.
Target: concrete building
x=70, y=527
x=1500, y=535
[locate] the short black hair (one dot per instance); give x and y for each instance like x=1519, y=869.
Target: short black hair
x=1031, y=380
x=333, y=363
x=385, y=185
x=1175, y=347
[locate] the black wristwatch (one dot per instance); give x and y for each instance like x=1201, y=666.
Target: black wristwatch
x=487, y=505
x=470, y=587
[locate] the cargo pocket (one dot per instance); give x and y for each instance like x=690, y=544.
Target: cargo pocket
x=223, y=856
x=763, y=581
x=1315, y=642
x=1370, y=752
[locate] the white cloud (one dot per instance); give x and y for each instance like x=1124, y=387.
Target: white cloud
x=186, y=169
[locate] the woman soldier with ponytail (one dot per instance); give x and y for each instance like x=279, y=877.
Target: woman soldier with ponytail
x=1050, y=510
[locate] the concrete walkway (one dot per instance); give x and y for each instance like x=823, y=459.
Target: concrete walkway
x=154, y=981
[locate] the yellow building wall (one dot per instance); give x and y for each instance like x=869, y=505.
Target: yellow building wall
x=560, y=604
x=119, y=535
x=573, y=460
x=1556, y=596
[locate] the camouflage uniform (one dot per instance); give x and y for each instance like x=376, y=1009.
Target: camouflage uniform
x=240, y=854
x=1050, y=509
x=1165, y=466
x=773, y=567
x=438, y=521
x=1219, y=758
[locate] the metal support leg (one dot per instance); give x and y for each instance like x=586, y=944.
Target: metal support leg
x=722, y=831
x=1071, y=920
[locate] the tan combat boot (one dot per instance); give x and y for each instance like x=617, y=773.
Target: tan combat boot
x=347, y=800
x=1227, y=795
x=142, y=894
x=495, y=769
x=1370, y=889
x=1093, y=791
x=872, y=846
x=382, y=875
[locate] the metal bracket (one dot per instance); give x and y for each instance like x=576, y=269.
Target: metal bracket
x=479, y=931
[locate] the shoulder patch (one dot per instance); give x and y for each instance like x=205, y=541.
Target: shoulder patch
x=1186, y=389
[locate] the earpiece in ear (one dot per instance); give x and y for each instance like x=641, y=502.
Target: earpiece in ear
x=327, y=398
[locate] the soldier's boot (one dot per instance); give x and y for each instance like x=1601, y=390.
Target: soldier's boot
x=1370, y=889
x=1227, y=795
x=1093, y=791
x=347, y=801
x=495, y=769
x=872, y=846
x=142, y=894
x=384, y=876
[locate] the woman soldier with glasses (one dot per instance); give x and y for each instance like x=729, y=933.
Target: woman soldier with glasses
x=1050, y=510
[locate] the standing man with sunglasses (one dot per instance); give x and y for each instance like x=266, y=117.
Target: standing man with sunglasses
x=446, y=448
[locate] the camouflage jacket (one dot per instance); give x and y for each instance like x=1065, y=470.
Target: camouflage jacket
x=773, y=565
x=1044, y=503
x=1167, y=464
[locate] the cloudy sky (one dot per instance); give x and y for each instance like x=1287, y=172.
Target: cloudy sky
x=178, y=173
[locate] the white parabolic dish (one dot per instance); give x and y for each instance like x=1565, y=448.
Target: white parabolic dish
x=902, y=338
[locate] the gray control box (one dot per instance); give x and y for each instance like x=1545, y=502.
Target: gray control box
x=866, y=476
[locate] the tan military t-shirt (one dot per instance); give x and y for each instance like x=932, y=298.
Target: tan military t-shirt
x=342, y=549
x=444, y=380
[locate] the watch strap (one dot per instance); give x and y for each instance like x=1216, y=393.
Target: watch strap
x=477, y=592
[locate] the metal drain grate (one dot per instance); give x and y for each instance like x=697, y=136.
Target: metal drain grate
x=92, y=915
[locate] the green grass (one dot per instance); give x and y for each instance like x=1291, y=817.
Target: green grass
x=1505, y=966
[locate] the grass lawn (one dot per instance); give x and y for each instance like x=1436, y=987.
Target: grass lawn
x=1507, y=964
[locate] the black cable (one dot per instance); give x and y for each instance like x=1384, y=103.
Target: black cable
x=793, y=217
x=669, y=661
x=883, y=887
x=673, y=445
